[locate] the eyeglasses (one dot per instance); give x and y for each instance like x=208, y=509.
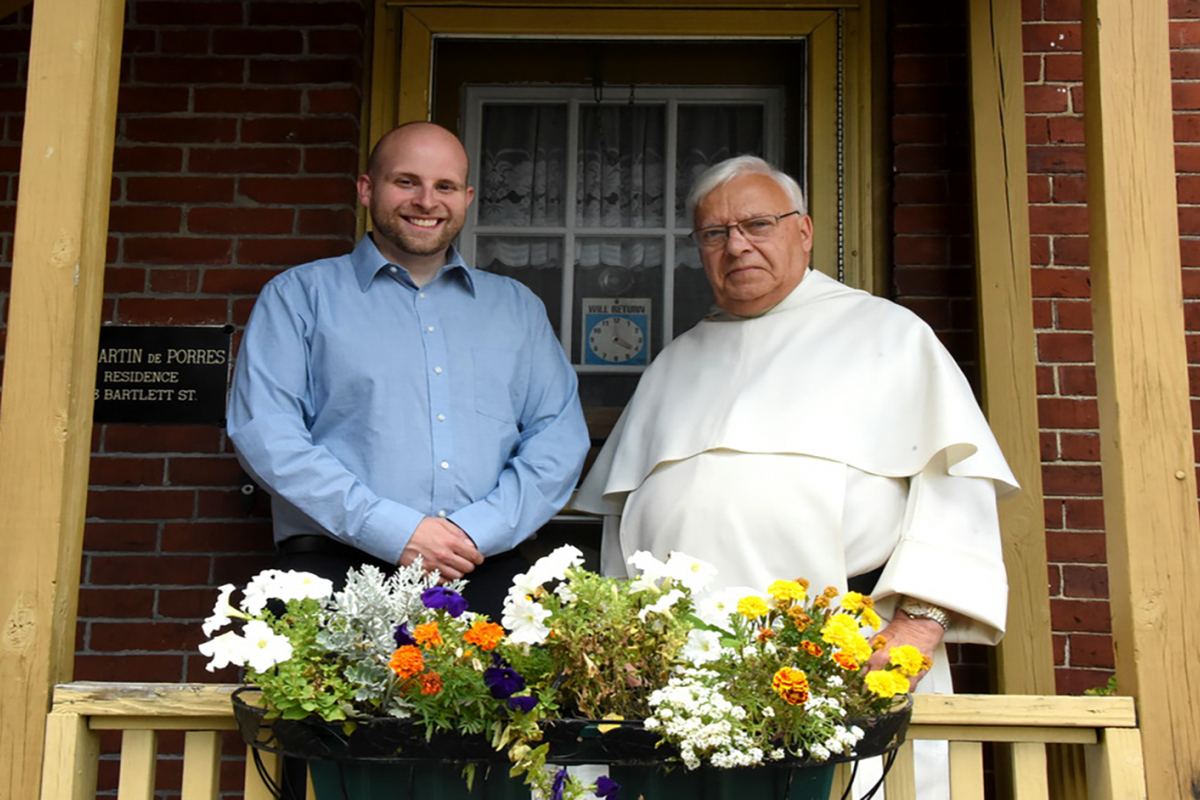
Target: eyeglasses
x=756, y=229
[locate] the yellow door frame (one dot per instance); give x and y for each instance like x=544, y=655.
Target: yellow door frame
x=402, y=75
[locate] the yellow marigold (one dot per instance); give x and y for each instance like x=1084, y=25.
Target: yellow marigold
x=428, y=635
x=812, y=648
x=484, y=634
x=786, y=592
x=869, y=617
x=907, y=659
x=752, y=607
x=878, y=641
x=407, y=661
x=791, y=684
x=886, y=683
x=852, y=601
x=844, y=661
x=926, y=662
x=431, y=683
x=841, y=631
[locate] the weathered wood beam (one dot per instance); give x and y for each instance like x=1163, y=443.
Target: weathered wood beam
x=1141, y=373
x=1025, y=659
x=50, y=363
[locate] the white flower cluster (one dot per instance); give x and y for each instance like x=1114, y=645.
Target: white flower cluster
x=691, y=573
x=841, y=739
x=524, y=617
x=257, y=647
x=691, y=711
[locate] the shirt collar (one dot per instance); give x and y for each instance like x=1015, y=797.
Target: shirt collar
x=368, y=261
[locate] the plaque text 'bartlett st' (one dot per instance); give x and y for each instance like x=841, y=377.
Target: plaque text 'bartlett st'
x=163, y=375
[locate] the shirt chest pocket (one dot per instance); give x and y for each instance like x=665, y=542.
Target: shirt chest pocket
x=499, y=382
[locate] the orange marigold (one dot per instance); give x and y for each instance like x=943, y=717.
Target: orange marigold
x=845, y=661
x=812, y=648
x=484, y=634
x=763, y=634
x=428, y=635
x=407, y=661
x=431, y=683
x=791, y=684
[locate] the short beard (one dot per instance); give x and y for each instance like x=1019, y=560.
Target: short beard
x=394, y=232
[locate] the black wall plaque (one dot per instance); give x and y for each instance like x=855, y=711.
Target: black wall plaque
x=162, y=375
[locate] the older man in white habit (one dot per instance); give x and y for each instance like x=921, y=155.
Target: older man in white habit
x=807, y=429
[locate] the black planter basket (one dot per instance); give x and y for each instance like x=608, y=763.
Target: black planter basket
x=572, y=741
x=583, y=741
x=377, y=739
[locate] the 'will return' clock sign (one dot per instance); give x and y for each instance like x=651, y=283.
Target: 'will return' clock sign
x=616, y=332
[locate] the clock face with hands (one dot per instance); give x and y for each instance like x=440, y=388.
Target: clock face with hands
x=617, y=340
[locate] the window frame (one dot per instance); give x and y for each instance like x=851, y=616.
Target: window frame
x=770, y=99
x=847, y=176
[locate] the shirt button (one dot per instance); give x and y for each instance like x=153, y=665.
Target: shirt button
x=441, y=417
x=437, y=370
x=430, y=329
x=442, y=513
x=445, y=465
x=421, y=295
x=392, y=270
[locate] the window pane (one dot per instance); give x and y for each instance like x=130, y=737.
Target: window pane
x=709, y=134
x=612, y=271
x=693, y=295
x=621, y=166
x=522, y=168
x=535, y=261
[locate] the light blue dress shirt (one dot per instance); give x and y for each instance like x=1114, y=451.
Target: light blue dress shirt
x=363, y=404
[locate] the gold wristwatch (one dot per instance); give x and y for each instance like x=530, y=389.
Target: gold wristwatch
x=919, y=609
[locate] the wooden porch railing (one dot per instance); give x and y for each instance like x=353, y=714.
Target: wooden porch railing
x=1102, y=729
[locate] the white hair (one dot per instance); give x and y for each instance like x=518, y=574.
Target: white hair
x=720, y=174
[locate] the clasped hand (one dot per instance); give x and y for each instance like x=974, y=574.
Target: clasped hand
x=443, y=546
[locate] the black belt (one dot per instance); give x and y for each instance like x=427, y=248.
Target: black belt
x=315, y=543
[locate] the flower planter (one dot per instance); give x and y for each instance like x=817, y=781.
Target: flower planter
x=392, y=758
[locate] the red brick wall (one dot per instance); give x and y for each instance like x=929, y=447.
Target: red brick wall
x=237, y=143
x=1058, y=218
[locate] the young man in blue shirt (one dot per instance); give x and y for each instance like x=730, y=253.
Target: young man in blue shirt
x=397, y=403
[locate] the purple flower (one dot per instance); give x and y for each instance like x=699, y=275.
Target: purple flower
x=503, y=681
x=607, y=787
x=556, y=788
x=523, y=703
x=402, y=636
x=441, y=597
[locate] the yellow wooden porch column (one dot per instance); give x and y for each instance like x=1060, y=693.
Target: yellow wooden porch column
x=1141, y=369
x=1026, y=656
x=50, y=362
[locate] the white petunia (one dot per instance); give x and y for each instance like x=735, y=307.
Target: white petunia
x=701, y=646
x=226, y=649
x=652, y=571
x=261, y=588
x=524, y=620
x=715, y=609
x=292, y=585
x=555, y=565
x=564, y=593
x=264, y=648
x=662, y=605
x=693, y=573
x=222, y=612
